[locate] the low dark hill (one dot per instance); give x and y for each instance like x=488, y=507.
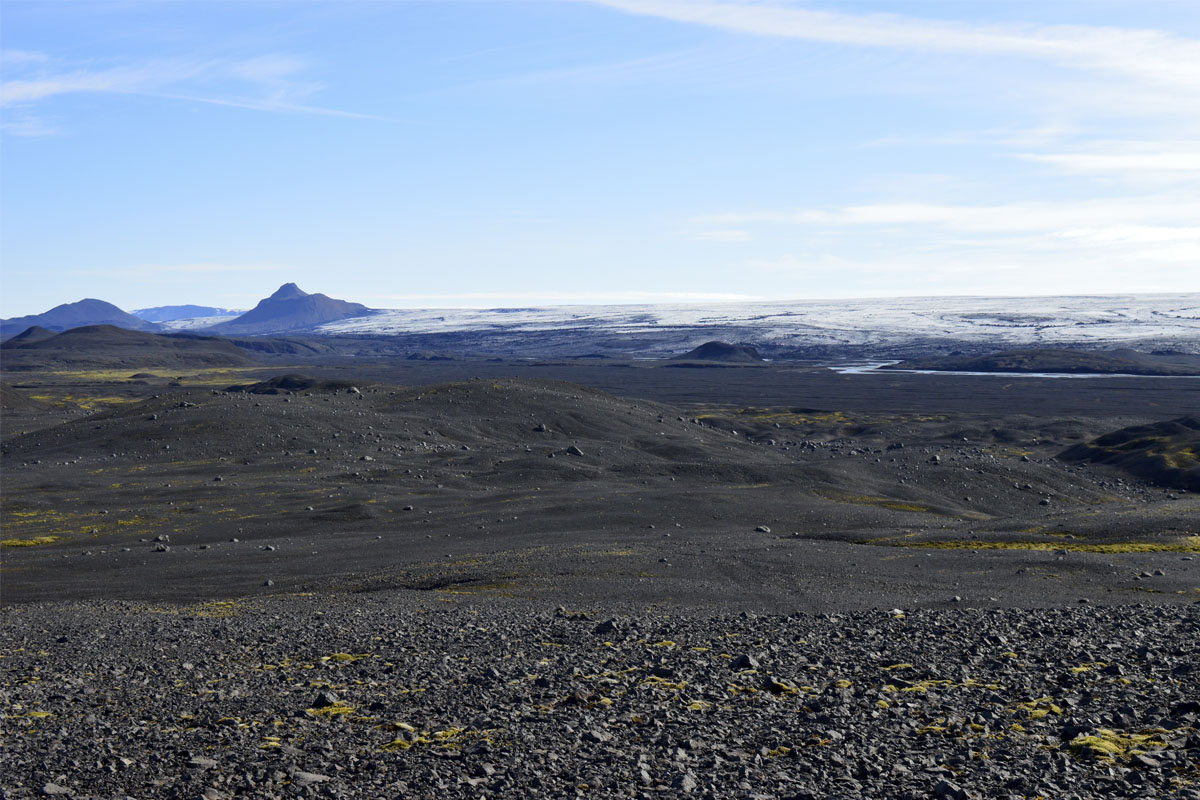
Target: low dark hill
x=30, y=335
x=290, y=309
x=722, y=352
x=287, y=384
x=288, y=346
x=1165, y=453
x=76, y=315
x=168, y=313
x=1116, y=362
x=98, y=346
x=507, y=432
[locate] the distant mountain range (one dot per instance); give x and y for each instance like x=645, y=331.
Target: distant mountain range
x=288, y=310
x=76, y=315
x=172, y=313
x=822, y=331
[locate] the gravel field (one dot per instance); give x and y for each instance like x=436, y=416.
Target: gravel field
x=403, y=694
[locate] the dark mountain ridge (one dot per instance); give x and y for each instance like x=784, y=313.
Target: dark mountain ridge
x=290, y=309
x=1062, y=361
x=76, y=315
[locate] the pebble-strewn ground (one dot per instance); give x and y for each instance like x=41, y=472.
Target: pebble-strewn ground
x=378, y=695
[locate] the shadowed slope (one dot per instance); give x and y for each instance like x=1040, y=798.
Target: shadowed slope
x=1166, y=453
x=110, y=346
x=1127, y=362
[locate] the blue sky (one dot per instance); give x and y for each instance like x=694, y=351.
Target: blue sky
x=440, y=154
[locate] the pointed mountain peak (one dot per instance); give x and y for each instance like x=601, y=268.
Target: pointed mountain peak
x=289, y=291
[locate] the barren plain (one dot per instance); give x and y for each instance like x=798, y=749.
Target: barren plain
x=599, y=579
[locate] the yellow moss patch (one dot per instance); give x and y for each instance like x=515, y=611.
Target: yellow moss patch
x=447, y=739
x=216, y=609
x=882, y=502
x=1039, y=708
x=36, y=540
x=335, y=710
x=346, y=657
x=1110, y=745
x=1187, y=544
x=1088, y=666
x=779, y=687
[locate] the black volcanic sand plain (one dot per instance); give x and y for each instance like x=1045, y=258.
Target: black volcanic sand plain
x=487, y=579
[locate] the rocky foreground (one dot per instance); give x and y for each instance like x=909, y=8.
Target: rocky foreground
x=377, y=695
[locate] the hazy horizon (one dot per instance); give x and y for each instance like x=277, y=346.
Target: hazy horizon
x=483, y=155
x=466, y=305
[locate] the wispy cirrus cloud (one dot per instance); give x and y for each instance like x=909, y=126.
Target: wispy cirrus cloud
x=12, y=57
x=998, y=218
x=1147, y=56
x=1136, y=160
x=1069, y=245
x=273, y=83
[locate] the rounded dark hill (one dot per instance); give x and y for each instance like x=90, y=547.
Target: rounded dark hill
x=291, y=383
x=1165, y=453
x=34, y=333
x=97, y=346
x=513, y=429
x=723, y=352
x=1048, y=360
x=291, y=309
x=76, y=315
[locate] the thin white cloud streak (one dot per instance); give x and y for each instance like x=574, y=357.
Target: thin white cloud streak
x=999, y=219
x=1145, y=55
x=171, y=79
x=125, y=79
x=997, y=272
x=1120, y=245
x=1130, y=159
x=1133, y=234
x=11, y=57
x=26, y=126
x=262, y=105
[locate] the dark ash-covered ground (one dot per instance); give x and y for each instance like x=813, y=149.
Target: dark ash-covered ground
x=184, y=564
x=365, y=695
